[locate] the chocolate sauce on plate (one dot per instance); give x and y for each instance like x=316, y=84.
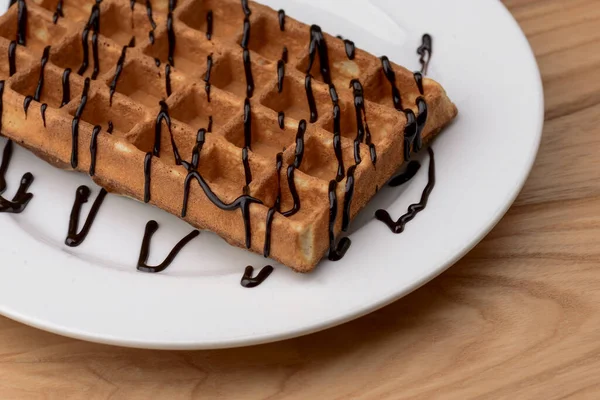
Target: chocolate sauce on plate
x=251, y=282
x=82, y=195
x=411, y=170
x=425, y=52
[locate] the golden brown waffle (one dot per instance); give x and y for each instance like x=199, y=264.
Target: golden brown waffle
x=124, y=163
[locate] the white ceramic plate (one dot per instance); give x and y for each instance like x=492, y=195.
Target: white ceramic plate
x=94, y=292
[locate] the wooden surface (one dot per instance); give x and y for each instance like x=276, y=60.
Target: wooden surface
x=518, y=318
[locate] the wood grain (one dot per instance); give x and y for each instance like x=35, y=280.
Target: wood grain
x=518, y=318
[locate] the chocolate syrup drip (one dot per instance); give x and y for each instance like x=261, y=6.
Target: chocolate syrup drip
x=207, y=86
x=12, y=58
x=294, y=192
x=66, y=87
x=94, y=149
x=43, y=109
x=246, y=33
x=284, y=54
x=247, y=170
x=281, y=15
x=209, y=24
x=11, y=3
x=419, y=81
x=147, y=176
x=312, y=105
x=248, y=71
x=151, y=37
x=22, y=23
x=281, y=119
x=21, y=199
x=82, y=195
x=131, y=42
x=249, y=282
x=168, y=79
x=319, y=45
x=40, y=85
x=163, y=114
x=299, y=153
x=247, y=124
x=110, y=127
x=94, y=24
x=337, y=142
x=243, y=202
x=391, y=77
x=245, y=8
x=26, y=103
x=171, y=38
x=349, y=47
x=399, y=225
x=369, y=142
x=421, y=121
x=118, y=71
x=411, y=170
x=348, y=198
x=157, y=62
x=425, y=52
x=210, y=124
x=75, y=124
x=6, y=157
x=200, y=139
x=410, y=132
x=280, y=75
x=276, y=207
x=336, y=252
x=151, y=228
x=149, y=13
x=359, y=106
x=132, y=4
x=58, y=12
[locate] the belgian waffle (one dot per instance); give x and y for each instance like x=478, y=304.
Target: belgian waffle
x=205, y=109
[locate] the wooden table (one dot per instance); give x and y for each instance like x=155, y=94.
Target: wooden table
x=518, y=318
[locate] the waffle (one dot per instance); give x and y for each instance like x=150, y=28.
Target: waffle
x=231, y=147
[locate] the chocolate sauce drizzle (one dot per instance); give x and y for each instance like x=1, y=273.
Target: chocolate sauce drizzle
x=284, y=54
x=247, y=170
x=349, y=194
x=362, y=127
x=280, y=75
x=151, y=228
x=276, y=207
x=21, y=198
x=411, y=170
x=337, y=142
x=242, y=203
x=147, y=176
x=118, y=71
x=248, y=72
x=281, y=119
x=22, y=23
x=171, y=35
x=94, y=148
x=82, y=195
x=425, y=52
x=399, y=225
x=281, y=15
x=247, y=124
x=421, y=121
x=207, y=86
x=419, y=81
x=94, y=24
x=249, y=282
x=318, y=45
x=168, y=79
x=210, y=124
x=246, y=33
x=152, y=23
x=209, y=24
x=391, y=77
x=163, y=115
x=245, y=8
x=40, y=85
x=26, y=103
x=110, y=127
x=58, y=12
x=12, y=58
x=336, y=252
x=349, y=47
x=298, y=156
x=6, y=156
x=200, y=139
x=43, y=109
x=75, y=124
x=66, y=87
x=410, y=132
x=312, y=105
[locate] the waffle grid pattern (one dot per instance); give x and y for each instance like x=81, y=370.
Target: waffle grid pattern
x=298, y=241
